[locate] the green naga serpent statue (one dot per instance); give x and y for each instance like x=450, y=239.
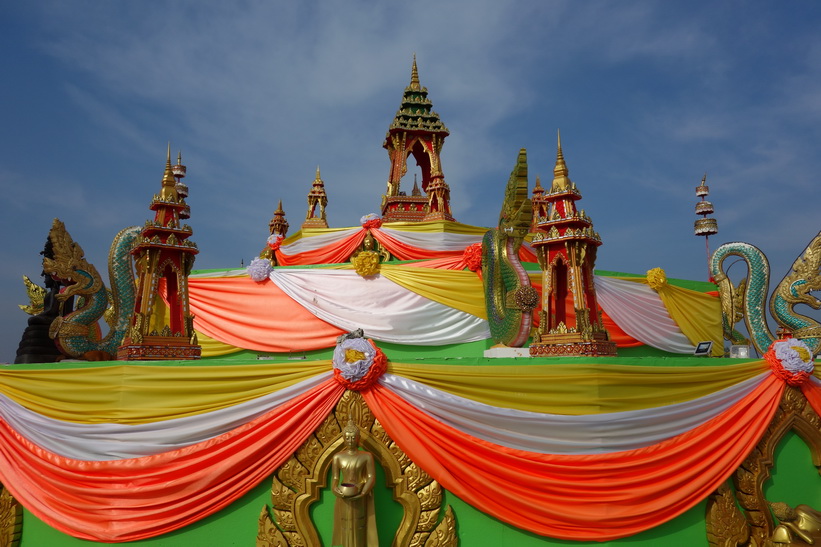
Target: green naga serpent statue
x=749, y=299
x=509, y=297
x=75, y=333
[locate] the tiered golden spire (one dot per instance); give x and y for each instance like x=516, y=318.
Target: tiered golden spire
x=560, y=171
x=316, y=198
x=415, y=75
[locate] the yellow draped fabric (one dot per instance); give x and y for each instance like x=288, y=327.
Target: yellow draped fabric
x=697, y=314
x=214, y=348
x=579, y=388
x=131, y=394
x=459, y=289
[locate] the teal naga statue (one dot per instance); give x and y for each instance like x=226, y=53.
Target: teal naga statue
x=509, y=297
x=77, y=333
x=748, y=300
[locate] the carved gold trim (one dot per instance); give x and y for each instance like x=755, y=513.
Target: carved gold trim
x=11, y=519
x=723, y=525
x=298, y=482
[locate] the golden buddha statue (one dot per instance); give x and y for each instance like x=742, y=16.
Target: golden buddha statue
x=352, y=484
x=799, y=526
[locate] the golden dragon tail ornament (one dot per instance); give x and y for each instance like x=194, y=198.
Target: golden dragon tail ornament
x=508, y=293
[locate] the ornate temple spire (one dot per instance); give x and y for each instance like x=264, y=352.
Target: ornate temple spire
x=162, y=326
x=566, y=244
x=279, y=225
x=414, y=84
x=540, y=204
x=560, y=171
x=317, y=199
x=416, y=130
x=178, y=171
x=169, y=183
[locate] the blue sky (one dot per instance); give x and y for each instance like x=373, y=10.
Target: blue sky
x=648, y=95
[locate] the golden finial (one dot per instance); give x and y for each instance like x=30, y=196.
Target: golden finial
x=279, y=208
x=414, y=75
x=560, y=180
x=704, y=179
x=317, y=173
x=168, y=177
x=538, y=182
x=179, y=157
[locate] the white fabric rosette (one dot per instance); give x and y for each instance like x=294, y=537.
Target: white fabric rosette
x=353, y=358
x=795, y=356
x=259, y=269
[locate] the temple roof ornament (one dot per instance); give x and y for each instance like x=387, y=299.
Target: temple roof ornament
x=163, y=252
x=316, y=198
x=416, y=131
x=560, y=180
x=279, y=225
x=415, y=113
x=566, y=244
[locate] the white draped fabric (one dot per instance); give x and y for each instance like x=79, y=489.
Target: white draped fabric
x=109, y=441
x=637, y=310
x=433, y=241
x=383, y=309
x=568, y=434
x=318, y=241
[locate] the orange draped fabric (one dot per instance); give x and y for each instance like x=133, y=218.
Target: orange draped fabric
x=330, y=254
x=403, y=251
x=128, y=500
x=526, y=256
x=590, y=497
x=228, y=309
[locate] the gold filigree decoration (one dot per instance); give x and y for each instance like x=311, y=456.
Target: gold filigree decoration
x=36, y=295
x=794, y=413
x=298, y=482
x=11, y=519
x=69, y=257
x=726, y=525
x=366, y=263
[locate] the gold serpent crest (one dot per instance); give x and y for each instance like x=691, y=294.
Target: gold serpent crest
x=298, y=482
x=11, y=519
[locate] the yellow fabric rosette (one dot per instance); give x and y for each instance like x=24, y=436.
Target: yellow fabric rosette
x=366, y=263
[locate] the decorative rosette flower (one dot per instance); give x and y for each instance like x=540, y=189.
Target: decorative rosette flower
x=791, y=360
x=358, y=363
x=371, y=220
x=366, y=263
x=259, y=269
x=656, y=278
x=274, y=241
x=473, y=257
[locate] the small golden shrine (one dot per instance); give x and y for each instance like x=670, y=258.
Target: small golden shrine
x=566, y=244
x=278, y=228
x=540, y=205
x=416, y=130
x=317, y=199
x=164, y=257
